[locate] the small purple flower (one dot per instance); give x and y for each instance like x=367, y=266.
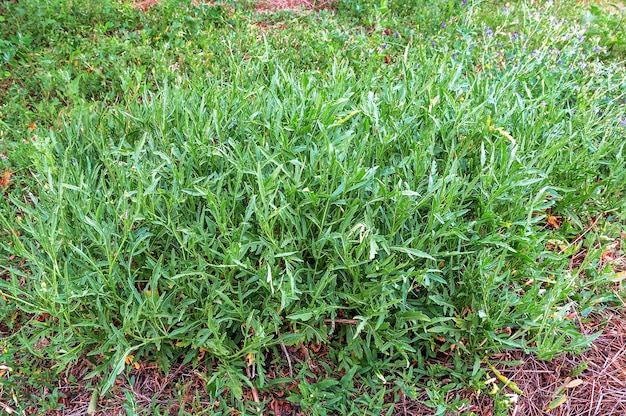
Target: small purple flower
x=464, y=3
x=596, y=49
x=397, y=34
x=3, y=156
x=515, y=36
x=384, y=46
x=433, y=44
x=443, y=25
x=488, y=32
x=623, y=122
x=505, y=9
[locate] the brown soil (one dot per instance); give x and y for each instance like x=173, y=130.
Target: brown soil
x=601, y=371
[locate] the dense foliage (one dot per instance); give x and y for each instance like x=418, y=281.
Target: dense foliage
x=202, y=183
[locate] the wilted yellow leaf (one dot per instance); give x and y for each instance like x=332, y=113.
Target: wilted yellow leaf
x=249, y=359
x=618, y=277
x=574, y=383
x=507, y=383
x=505, y=134
x=554, y=222
x=556, y=403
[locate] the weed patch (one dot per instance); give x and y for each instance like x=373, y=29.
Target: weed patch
x=331, y=218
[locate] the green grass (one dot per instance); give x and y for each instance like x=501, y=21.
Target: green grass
x=212, y=185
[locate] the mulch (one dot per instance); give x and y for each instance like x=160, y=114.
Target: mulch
x=601, y=389
x=595, y=380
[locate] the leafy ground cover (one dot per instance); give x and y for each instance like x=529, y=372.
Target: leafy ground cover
x=368, y=208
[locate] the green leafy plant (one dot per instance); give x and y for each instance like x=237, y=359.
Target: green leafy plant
x=189, y=187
